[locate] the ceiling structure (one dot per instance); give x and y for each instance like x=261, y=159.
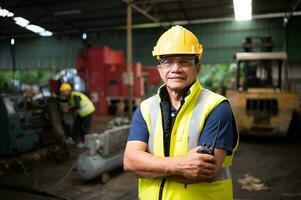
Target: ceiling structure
x=71, y=16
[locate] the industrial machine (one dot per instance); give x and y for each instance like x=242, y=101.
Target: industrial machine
x=105, y=153
x=105, y=73
x=28, y=123
x=260, y=102
x=69, y=75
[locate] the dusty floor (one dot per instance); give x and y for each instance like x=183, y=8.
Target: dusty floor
x=61, y=180
x=275, y=161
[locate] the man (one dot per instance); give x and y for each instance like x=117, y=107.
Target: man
x=168, y=129
x=83, y=117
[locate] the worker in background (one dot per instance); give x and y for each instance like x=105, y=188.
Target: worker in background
x=168, y=129
x=84, y=109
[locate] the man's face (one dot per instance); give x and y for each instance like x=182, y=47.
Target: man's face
x=178, y=71
x=65, y=93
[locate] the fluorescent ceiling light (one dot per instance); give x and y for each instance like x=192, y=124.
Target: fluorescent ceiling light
x=45, y=33
x=31, y=27
x=24, y=23
x=5, y=13
x=21, y=21
x=34, y=28
x=242, y=10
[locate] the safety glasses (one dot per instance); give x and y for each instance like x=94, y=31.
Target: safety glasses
x=183, y=61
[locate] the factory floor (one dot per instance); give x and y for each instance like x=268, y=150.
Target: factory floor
x=50, y=179
x=264, y=168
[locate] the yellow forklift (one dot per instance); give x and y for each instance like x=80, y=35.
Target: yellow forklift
x=260, y=101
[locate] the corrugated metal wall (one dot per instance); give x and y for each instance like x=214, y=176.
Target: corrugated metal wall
x=220, y=40
x=41, y=53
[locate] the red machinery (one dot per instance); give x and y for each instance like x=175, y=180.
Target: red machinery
x=103, y=68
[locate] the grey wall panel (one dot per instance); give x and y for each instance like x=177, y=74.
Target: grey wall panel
x=41, y=53
x=5, y=57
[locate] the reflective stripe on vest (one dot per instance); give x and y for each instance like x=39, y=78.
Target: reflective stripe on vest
x=224, y=174
x=198, y=112
x=155, y=109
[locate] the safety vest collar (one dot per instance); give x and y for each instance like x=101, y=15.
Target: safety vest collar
x=192, y=89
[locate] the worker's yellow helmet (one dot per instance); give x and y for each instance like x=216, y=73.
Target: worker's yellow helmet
x=65, y=86
x=178, y=40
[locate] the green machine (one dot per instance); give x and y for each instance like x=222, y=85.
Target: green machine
x=27, y=124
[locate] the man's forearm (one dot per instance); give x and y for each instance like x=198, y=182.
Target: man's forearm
x=146, y=165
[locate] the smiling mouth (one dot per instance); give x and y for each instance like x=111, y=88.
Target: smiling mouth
x=176, y=78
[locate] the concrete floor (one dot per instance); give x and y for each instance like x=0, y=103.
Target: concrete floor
x=275, y=161
x=62, y=180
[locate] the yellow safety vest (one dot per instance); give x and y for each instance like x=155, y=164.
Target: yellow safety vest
x=185, y=135
x=86, y=105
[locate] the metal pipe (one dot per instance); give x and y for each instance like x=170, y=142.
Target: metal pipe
x=129, y=56
x=285, y=66
x=13, y=60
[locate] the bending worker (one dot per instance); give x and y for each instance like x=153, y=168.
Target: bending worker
x=83, y=117
x=168, y=129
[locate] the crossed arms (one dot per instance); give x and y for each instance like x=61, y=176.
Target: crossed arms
x=191, y=168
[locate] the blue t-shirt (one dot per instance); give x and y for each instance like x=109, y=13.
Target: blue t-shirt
x=222, y=112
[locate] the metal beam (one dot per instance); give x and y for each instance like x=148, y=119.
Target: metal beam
x=56, y=17
x=155, y=1
x=142, y=11
x=166, y=23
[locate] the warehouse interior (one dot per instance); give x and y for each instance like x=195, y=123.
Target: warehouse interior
x=104, y=50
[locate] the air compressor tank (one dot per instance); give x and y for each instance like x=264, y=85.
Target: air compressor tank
x=105, y=153
x=89, y=167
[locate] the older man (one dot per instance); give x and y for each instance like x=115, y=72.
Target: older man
x=167, y=130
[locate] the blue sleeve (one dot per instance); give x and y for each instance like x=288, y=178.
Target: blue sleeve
x=138, y=130
x=226, y=133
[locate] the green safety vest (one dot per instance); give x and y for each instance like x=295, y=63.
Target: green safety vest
x=185, y=135
x=86, y=105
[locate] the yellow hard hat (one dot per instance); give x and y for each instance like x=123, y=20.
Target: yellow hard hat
x=178, y=40
x=65, y=86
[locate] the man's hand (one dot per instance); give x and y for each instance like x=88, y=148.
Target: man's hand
x=197, y=166
x=65, y=108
